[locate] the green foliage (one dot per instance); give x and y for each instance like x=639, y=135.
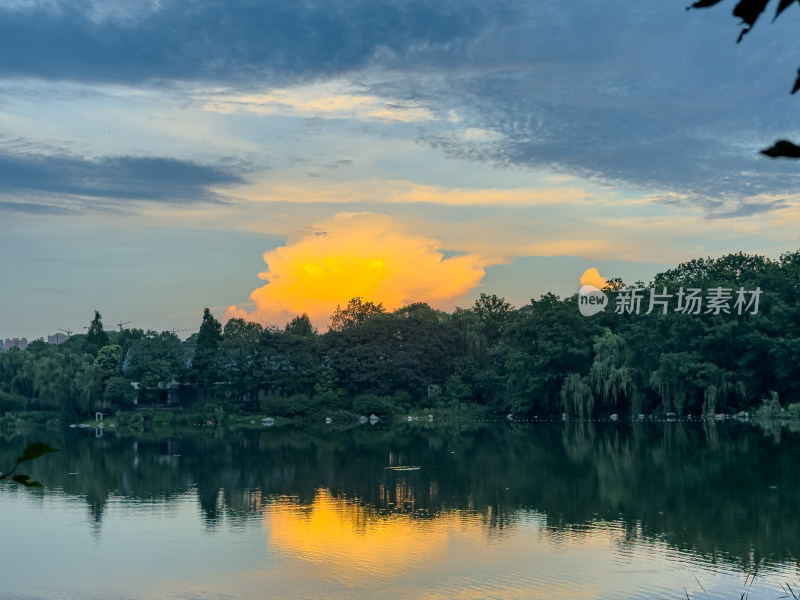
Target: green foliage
x=11, y=402
x=294, y=405
x=368, y=404
x=119, y=392
x=206, y=364
x=163, y=419
x=542, y=344
x=301, y=326
x=576, y=397
x=96, y=336
x=493, y=313
x=355, y=313
x=109, y=361
x=770, y=408
x=328, y=395
x=156, y=361
x=538, y=359
x=455, y=391
x=240, y=352
x=136, y=421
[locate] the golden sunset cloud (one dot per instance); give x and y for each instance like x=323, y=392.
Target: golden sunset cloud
x=592, y=277
x=358, y=254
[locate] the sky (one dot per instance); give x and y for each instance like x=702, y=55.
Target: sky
x=267, y=158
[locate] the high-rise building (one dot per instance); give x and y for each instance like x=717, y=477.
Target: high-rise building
x=58, y=338
x=20, y=343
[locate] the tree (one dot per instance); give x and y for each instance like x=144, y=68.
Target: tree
x=119, y=391
x=494, y=313
x=356, y=312
x=96, y=336
x=206, y=363
x=109, y=361
x=240, y=346
x=749, y=11
x=156, y=361
x=300, y=326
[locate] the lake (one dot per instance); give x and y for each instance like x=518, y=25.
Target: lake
x=574, y=510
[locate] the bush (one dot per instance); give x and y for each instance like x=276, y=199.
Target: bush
x=295, y=405
x=136, y=421
x=119, y=391
x=793, y=410
x=163, y=418
x=770, y=408
x=367, y=404
x=11, y=402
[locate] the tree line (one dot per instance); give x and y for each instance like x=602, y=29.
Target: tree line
x=544, y=358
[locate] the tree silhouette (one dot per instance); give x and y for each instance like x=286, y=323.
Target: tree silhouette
x=749, y=11
x=96, y=336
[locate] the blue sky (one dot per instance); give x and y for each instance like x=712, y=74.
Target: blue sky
x=151, y=151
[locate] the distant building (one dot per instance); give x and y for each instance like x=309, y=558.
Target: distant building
x=20, y=343
x=2, y=345
x=58, y=338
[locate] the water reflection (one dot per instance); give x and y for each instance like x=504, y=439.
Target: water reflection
x=470, y=510
x=348, y=542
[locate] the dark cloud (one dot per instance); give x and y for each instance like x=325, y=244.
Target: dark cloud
x=639, y=94
x=33, y=208
x=652, y=98
x=748, y=209
x=230, y=40
x=82, y=181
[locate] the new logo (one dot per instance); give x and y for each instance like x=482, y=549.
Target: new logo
x=591, y=300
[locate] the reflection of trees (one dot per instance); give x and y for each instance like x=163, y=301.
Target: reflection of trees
x=700, y=487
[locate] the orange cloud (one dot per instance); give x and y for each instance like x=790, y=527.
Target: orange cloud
x=358, y=254
x=592, y=277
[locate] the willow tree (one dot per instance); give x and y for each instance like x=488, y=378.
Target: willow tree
x=612, y=379
x=576, y=397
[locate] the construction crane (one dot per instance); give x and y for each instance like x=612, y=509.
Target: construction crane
x=177, y=331
x=67, y=331
x=121, y=323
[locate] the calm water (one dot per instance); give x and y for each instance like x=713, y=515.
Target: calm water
x=497, y=510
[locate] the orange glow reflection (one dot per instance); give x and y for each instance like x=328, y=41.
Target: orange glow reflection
x=346, y=541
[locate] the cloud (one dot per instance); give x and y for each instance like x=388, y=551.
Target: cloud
x=32, y=208
x=592, y=277
x=358, y=254
x=654, y=98
x=330, y=100
x=234, y=40
x=378, y=191
x=48, y=177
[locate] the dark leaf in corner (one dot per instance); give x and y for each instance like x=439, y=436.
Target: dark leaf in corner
x=749, y=10
x=782, y=149
x=35, y=450
x=703, y=4
x=782, y=7
x=26, y=481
